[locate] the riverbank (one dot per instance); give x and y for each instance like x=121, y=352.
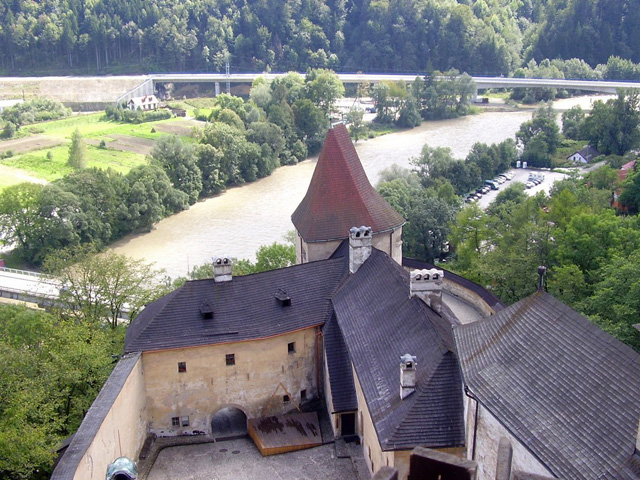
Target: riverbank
x=242, y=219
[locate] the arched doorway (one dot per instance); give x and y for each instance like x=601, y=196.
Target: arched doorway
x=228, y=422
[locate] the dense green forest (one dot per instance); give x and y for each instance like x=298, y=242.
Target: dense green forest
x=481, y=37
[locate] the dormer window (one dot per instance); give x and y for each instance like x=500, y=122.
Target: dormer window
x=206, y=310
x=283, y=298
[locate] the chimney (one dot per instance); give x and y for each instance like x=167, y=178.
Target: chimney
x=407, y=375
x=359, y=247
x=222, y=269
x=541, y=272
x=427, y=286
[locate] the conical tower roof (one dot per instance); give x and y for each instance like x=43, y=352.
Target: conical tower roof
x=340, y=195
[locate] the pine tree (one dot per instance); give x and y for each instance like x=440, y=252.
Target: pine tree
x=77, y=151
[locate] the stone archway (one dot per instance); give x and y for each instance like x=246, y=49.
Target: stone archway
x=229, y=422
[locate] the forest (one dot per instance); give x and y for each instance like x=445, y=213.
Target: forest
x=480, y=37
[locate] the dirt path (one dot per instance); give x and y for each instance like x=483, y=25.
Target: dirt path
x=28, y=144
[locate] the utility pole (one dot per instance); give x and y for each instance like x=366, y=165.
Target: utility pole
x=227, y=74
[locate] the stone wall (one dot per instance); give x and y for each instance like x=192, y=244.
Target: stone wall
x=264, y=372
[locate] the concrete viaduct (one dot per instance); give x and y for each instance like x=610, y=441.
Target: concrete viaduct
x=482, y=83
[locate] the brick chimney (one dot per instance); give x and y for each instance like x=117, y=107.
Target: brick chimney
x=222, y=269
x=427, y=286
x=407, y=375
x=359, y=247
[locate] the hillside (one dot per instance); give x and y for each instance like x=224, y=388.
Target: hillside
x=481, y=37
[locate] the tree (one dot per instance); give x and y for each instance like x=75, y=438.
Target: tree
x=540, y=137
x=151, y=197
x=19, y=215
x=9, y=130
x=310, y=121
x=427, y=228
x=357, y=127
x=274, y=256
x=53, y=370
x=269, y=137
x=614, y=127
x=615, y=302
x=102, y=287
x=179, y=161
x=572, y=122
x=323, y=88
x=77, y=151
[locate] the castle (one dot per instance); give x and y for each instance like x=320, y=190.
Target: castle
x=378, y=343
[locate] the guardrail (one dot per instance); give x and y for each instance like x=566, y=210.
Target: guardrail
x=28, y=273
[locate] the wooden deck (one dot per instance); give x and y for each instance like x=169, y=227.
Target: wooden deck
x=285, y=433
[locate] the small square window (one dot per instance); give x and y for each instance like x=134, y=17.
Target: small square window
x=285, y=399
x=230, y=358
x=175, y=421
x=291, y=347
x=182, y=367
x=303, y=394
x=184, y=421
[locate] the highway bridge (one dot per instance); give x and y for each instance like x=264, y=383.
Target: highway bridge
x=148, y=87
x=33, y=289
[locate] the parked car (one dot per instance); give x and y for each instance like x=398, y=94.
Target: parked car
x=529, y=184
x=492, y=184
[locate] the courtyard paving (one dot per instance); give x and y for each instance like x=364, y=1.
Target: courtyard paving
x=239, y=459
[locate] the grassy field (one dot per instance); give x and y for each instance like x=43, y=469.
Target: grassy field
x=41, y=151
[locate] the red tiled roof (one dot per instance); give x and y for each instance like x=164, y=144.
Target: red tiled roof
x=340, y=195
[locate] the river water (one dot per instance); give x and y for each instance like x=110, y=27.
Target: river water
x=243, y=218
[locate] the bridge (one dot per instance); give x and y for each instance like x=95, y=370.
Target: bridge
x=30, y=287
x=148, y=87
x=34, y=289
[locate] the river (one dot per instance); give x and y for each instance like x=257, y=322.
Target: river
x=243, y=218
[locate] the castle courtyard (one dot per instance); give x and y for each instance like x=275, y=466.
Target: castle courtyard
x=239, y=459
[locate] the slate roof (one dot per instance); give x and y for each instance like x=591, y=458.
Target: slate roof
x=244, y=308
x=587, y=152
x=343, y=390
x=380, y=323
x=340, y=195
x=568, y=391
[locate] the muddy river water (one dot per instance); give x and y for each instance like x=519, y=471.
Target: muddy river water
x=237, y=222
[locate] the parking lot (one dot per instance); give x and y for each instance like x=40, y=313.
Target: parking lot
x=521, y=175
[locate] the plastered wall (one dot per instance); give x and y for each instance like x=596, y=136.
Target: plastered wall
x=388, y=242
x=263, y=373
x=122, y=433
